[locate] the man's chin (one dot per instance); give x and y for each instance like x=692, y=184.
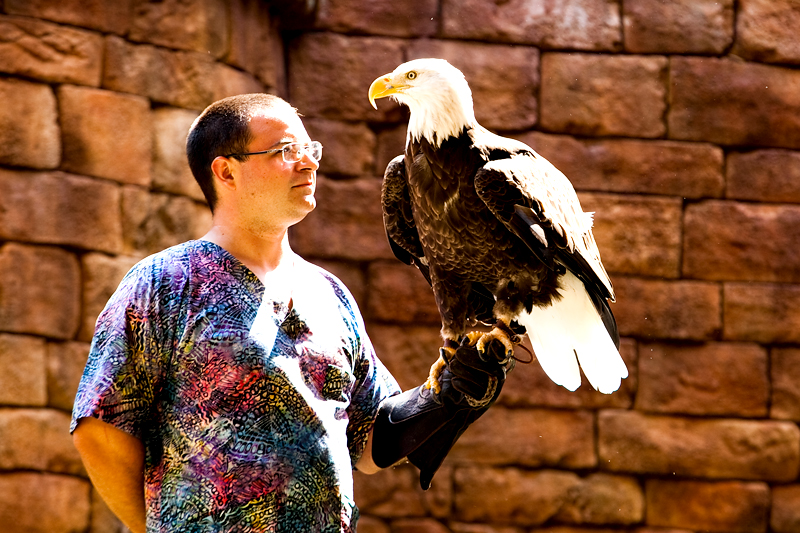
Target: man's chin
x=307, y=208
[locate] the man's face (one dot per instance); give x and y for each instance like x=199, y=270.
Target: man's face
x=272, y=192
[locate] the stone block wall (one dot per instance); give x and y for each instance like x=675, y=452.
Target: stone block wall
x=678, y=123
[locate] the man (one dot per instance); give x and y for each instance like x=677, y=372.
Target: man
x=231, y=385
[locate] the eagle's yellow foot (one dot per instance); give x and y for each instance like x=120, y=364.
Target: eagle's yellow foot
x=481, y=340
x=446, y=353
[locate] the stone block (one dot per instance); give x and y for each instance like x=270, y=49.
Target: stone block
x=761, y=312
x=438, y=499
x=600, y=529
x=197, y=25
x=595, y=529
x=731, y=102
x=650, y=308
x=370, y=524
x=510, y=495
x=764, y=176
x=460, y=527
x=689, y=170
x=661, y=530
x=106, y=134
x=719, y=379
x=35, y=141
x=43, y=503
x=571, y=24
x=633, y=442
x=785, y=378
x=384, y=17
x=529, y=386
x=326, y=56
x=65, y=364
x=678, y=27
x=766, y=30
x=152, y=222
x=399, y=293
x=347, y=223
x=49, y=52
x=37, y=439
x=730, y=506
x=256, y=45
x=785, y=515
x=639, y=235
x=418, y=525
x=604, y=499
x=228, y=81
x=23, y=374
x=391, y=142
x=158, y=74
x=408, y=351
x=530, y=438
x=185, y=79
x=348, y=148
x=170, y=170
x=587, y=529
x=113, y=17
x=504, y=79
x=603, y=95
x=351, y=275
x=39, y=291
x=67, y=209
x=725, y=240
x=395, y=492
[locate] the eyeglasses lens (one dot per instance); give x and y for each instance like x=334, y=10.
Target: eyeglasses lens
x=293, y=152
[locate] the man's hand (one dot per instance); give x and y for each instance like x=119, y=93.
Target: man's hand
x=115, y=463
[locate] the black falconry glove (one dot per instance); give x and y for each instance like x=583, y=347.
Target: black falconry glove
x=423, y=426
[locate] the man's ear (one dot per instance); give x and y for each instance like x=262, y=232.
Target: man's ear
x=223, y=170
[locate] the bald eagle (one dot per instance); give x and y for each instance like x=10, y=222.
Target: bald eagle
x=497, y=231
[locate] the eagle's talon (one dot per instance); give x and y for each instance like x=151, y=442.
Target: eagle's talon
x=446, y=353
x=499, y=334
x=473, y=337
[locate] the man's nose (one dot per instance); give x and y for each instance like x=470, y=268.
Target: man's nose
x=307, y=161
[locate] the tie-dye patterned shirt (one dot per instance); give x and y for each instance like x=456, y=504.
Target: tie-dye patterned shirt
x=252, y=415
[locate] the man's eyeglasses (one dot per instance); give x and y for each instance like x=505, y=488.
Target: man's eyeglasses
x=292, y=152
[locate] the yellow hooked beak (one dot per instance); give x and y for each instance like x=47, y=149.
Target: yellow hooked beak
x=383, y=87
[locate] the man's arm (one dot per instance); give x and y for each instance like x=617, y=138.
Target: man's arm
x=115, y=463
x=365, y=464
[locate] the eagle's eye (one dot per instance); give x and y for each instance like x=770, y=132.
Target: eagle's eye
x=411, y=75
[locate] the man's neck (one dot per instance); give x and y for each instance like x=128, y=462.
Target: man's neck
x=261, y=253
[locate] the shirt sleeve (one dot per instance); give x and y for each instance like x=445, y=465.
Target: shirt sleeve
x=121, y=375
x=374, y=384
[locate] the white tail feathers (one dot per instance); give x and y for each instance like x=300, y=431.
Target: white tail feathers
x=573, y=326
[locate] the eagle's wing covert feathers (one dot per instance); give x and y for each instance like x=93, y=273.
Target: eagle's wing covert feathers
x=398, y=217
x=538, y=203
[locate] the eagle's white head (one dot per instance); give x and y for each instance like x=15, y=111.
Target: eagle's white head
x=435, y=92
